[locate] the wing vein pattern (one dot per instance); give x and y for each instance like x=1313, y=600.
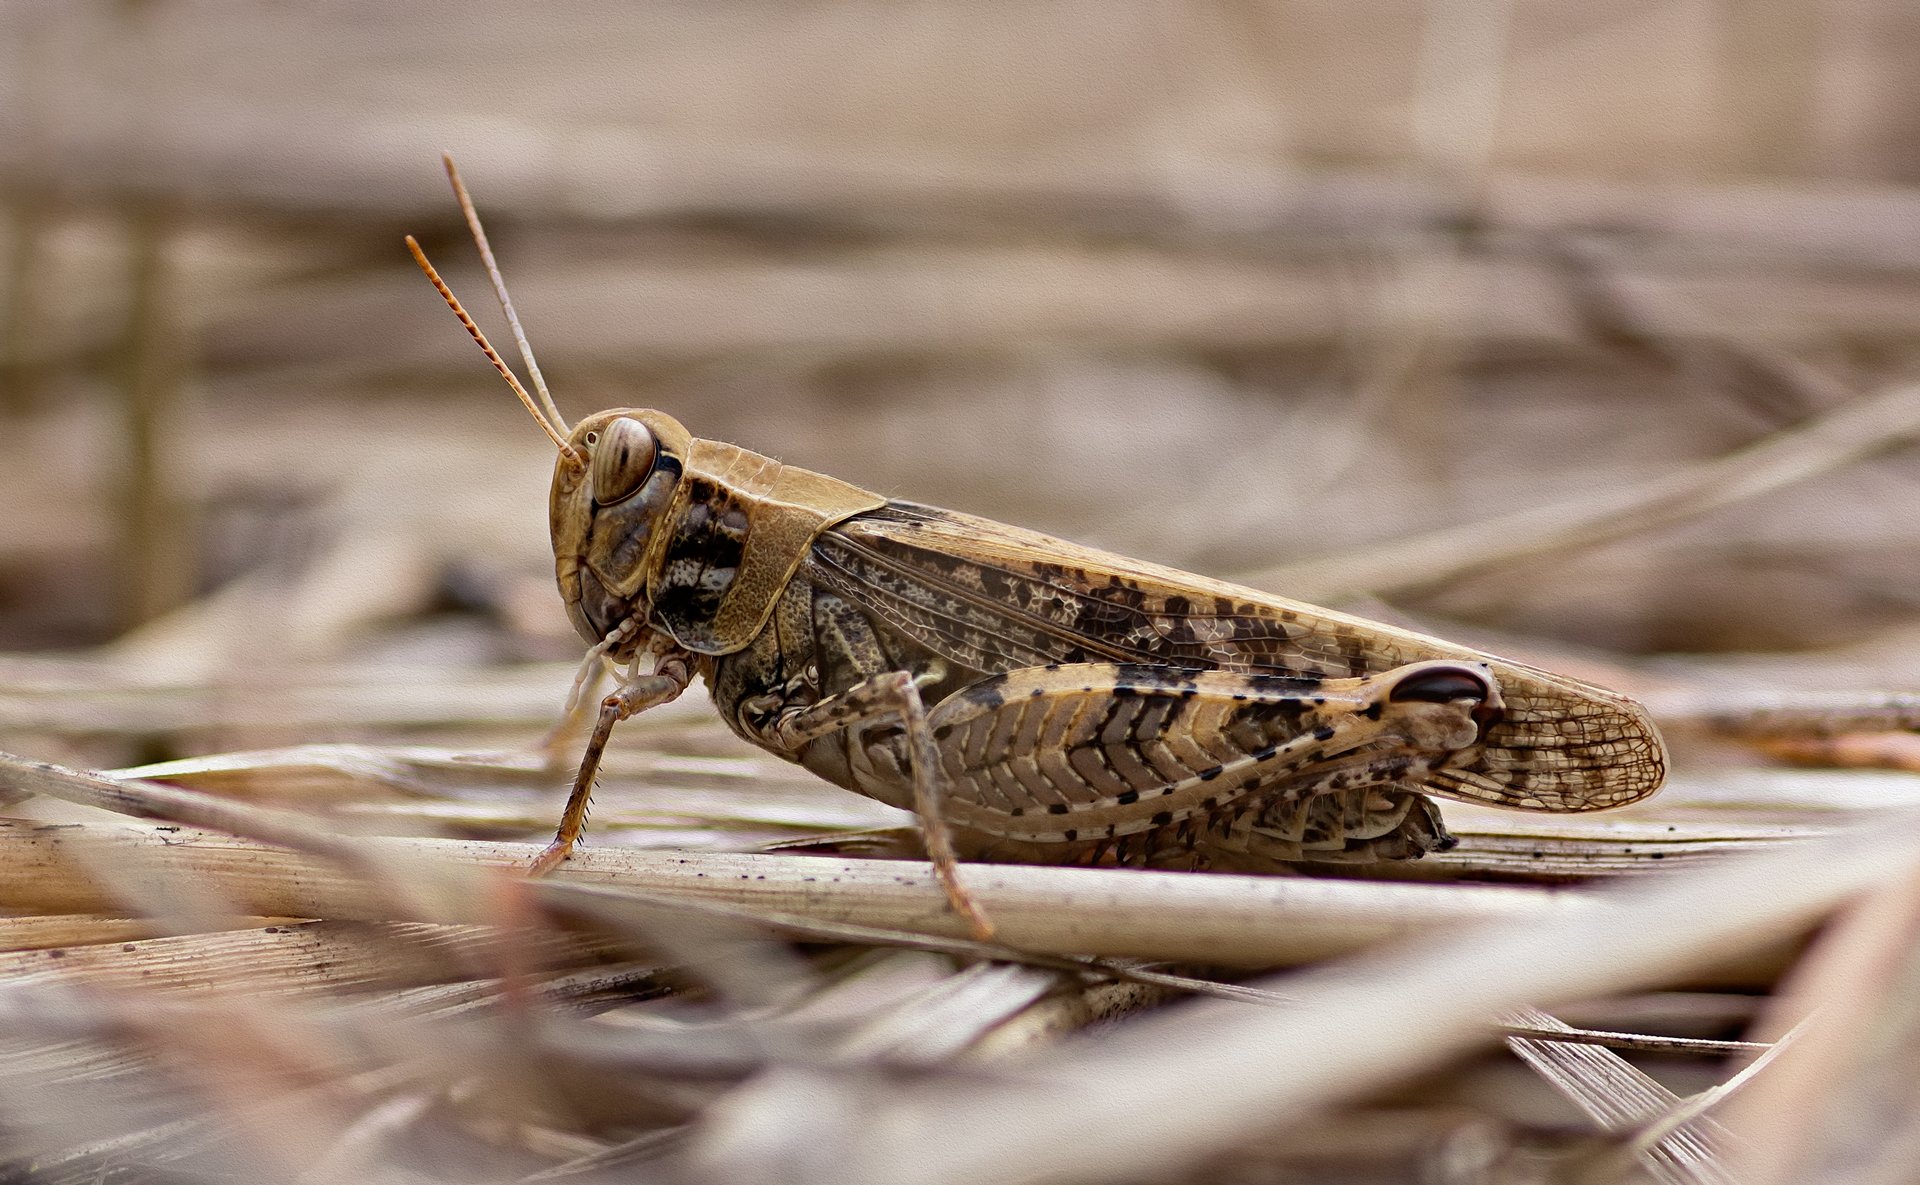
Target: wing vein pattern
x=993, y=598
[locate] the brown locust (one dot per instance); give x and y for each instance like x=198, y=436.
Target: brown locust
x=1028, y=698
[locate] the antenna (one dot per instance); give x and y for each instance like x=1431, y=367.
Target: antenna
x=500, y=290
x=493, y=355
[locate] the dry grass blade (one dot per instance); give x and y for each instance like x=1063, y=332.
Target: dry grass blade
x=130, y=1078
x=1538, y=1026
x=616, y=904
x=303, y=770
x=48, y=931
x=1231, y=920
x=362, y=1150
x=1214, y=1076
x=621, y=1158
x=1243, y=921
x=1619, y=1098
x=1259, y=921
x=1809, y=713
x=312, y=958
x=1696, y=1106
x=680, y=906
x=124, y=696
x=1854, y=431
x=1841, y=1105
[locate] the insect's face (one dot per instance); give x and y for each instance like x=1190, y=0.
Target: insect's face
x=607, y=510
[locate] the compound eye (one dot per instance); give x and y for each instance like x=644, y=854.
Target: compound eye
x=622, y=457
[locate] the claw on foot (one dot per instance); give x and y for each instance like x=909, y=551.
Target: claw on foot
x=978, y=925
x=977, y=922
x=553, y=856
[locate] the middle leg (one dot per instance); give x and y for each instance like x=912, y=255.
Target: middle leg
x=892, y=696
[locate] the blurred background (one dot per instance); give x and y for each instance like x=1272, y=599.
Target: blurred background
x=1585, y=332
x=1249, y=288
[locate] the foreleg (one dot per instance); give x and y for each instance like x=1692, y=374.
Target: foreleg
x=635, y=695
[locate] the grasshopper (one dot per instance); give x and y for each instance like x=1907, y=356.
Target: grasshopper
x=1028, y=698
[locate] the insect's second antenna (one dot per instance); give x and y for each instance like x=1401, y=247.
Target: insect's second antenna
x=493, y=355
x=500, y=290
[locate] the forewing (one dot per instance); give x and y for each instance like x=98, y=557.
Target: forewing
x=996, y=598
